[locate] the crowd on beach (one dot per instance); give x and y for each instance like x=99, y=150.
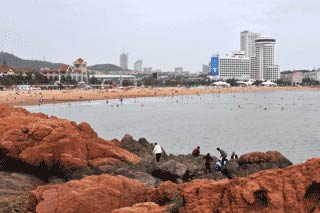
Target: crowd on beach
x=17, y=98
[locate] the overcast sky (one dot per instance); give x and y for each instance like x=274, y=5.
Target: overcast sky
x=163, y=33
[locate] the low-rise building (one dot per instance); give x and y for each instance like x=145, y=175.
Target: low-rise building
x=14, y=71
x=78, y=72
x=296, y=76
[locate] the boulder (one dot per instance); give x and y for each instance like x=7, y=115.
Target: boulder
x=47, y=146
x=102, y=193
x=254, y=162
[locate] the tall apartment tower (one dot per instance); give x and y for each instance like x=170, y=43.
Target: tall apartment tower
x=247, y=44
x=124, y=61
x=138, y=66
x=265, y=69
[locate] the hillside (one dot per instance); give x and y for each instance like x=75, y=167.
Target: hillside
x=15, y=61
x=105, y=67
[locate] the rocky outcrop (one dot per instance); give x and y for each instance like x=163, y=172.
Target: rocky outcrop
x=293, y=189
x=102, y=193
x=13, y=189
x=48, y=146
x=183, y=168
x=254, y=162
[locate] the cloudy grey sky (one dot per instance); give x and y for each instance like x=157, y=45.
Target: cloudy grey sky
x=163, y=33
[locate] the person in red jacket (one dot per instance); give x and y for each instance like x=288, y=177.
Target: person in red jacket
x=196, y=152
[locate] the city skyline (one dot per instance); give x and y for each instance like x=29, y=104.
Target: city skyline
x=184, y=33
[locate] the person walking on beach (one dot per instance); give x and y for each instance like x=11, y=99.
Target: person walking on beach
x=208, y=160
x=157, y=150
x=234, y=156
x=223, y=155
x=196, y=152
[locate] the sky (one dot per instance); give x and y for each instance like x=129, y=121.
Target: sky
x=163, y=33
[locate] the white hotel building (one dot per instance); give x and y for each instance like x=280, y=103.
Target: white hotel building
x=254, y=61
x=264, y=68
x=235, y=66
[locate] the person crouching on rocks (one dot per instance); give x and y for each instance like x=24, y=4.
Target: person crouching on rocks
x=223, y=155
x=208, y=160
x=196, y=152
x=218, y=166
x=157, y=150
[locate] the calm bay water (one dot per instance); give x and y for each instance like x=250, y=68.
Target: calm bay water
x=243, y=122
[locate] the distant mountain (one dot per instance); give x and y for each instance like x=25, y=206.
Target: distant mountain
x=15, y=61
x=105, y=67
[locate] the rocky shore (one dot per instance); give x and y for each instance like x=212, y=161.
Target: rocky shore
x=55, y=165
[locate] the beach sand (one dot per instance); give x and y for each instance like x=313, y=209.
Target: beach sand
x=24, y=98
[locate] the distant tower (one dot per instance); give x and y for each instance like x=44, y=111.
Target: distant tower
x=247, y=43
x=80, y=66
x=265, y=69
x=124, y=61
x=138, y=66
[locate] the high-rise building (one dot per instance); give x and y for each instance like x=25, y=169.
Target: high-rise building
x=247, y=43
x=138, y=66
x=205, y=68
x=235, y=66
x=124, y=61
x=264, y=68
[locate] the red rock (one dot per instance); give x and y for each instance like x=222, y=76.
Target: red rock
x=258, y=157
x=97, y=194
x=293, y=189
x=146, y=207
x=46, y=143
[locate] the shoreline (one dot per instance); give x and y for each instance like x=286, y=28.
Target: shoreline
x=25, y=98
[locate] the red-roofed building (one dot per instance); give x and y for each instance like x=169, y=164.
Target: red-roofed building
x=7, y=70
x=78, y=72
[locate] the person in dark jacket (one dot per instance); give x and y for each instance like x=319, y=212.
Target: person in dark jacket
x=223, y=155
x=196, y=152
x=234, y=156
x=208, y=160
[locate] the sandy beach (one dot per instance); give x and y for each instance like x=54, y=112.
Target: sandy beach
x=24, y=98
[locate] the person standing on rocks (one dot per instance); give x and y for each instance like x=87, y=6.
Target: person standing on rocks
x=157, y=150
x=223, y=155
x=234, y=156
x=196, y=152
x=208, y=160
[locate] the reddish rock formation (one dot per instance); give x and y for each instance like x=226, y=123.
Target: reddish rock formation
x=102, y=193
x=44, y=146
x=293, y=189
x=258, y=157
